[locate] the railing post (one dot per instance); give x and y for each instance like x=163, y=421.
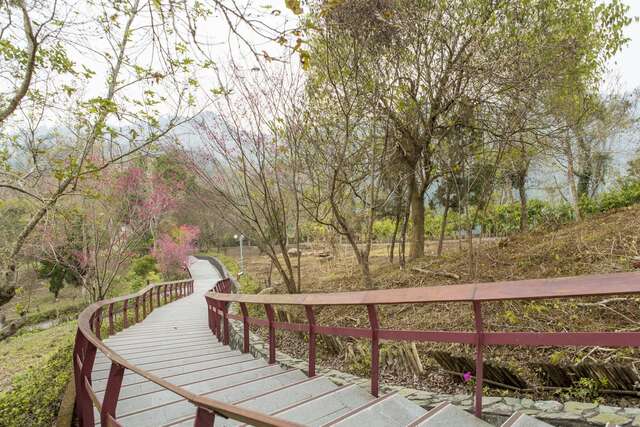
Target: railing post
x=125, y=314
x=150, y=300
x=218, y=316
x=110, y=319
x=166, y=300
x=311, y=319
x=144, y=305
x=158, y=296
x=245, y=329
x=78, y=356
x=209, y=313
x=375, y=349
x=204, y=418
x=137, y=306
x=97, y=320
x=111, y=393
x=87, y=366
x=272, y=333
x=477, y=311
x=225, y=315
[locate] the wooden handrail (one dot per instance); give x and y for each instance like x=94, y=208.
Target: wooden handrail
x=564, y=287
x=477, y=293
x=88, y=342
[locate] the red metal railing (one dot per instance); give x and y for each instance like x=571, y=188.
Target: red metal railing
x=622, y=283
x=88, y=343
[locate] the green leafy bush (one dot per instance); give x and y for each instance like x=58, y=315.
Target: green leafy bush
x=142, y=270
x=35, y=395
x=383, y=229
x=626, y=194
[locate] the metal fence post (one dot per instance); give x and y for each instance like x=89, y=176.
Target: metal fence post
x=311, y=319
x=375, y=349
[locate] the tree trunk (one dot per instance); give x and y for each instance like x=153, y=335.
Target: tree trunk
x=524, y=212
x=443, y=227
x=395, y=232
x=403, y=242
x=571, y=180
x=471, y=258
x=416, y=248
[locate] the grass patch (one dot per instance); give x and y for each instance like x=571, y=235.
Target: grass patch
x=247, y=284
x=28, y=349
x=32, y=398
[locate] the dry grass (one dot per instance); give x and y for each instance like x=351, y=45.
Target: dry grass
x=603, y=243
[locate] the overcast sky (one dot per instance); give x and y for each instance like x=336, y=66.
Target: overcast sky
x=626, y=64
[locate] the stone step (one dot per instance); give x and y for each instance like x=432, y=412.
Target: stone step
x=188, y=378
x=447, y=415
x=171, y=412
x=522, y=420
x=389, y=410
x=324, y=408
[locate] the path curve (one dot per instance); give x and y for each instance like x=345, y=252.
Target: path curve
x=175, y=343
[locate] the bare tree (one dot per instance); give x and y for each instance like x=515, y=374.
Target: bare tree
x=248, y=166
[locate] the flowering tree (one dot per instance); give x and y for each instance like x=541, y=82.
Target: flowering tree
x=172, y=249
x=95, y=235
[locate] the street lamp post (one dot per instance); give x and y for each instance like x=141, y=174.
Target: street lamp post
x=240, y=237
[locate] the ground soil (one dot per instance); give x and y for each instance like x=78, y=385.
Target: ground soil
x=601, y=244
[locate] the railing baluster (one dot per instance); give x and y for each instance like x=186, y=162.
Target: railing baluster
x=218, y=320
x=111, y=393
x=158, y=296
x=150, y=300
x=311, y=319
x=204, y=418
x=111, y=319
x=245, y=329
x=144, y=305
x=209, y=314
x=125, y=314
x=78, y=356
x=137, y=305
x=166, y=300
x=225, y=315
x=375, y=349
x=85, y=401
x=477, y=311
x=272, y=333
x=97, y=322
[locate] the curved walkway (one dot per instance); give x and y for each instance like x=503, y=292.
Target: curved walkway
x=175, y=343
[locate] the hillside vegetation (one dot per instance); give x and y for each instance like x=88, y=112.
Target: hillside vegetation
x=602, y=243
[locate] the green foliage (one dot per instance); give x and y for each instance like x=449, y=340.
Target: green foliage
x=141, y=271
x=585, y=389
x=57, y=274
x=35, y=395
x=247, y=284
x=383, y=228
x=626, y=194
x=505, y=219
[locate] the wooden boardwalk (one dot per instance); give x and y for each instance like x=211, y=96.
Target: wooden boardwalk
x=175, y=343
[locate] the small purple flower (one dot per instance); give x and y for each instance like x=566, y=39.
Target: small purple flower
x=466, y=376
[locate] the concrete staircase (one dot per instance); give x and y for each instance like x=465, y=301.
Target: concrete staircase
x=174, y=342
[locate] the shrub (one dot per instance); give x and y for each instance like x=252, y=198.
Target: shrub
x=383, y=229
x=142, y=270
x=35, y=395
x=627, y=194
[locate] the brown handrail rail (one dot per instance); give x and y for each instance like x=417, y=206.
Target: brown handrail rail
x=476, y=293
x=563, y=287
x=88, y=342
